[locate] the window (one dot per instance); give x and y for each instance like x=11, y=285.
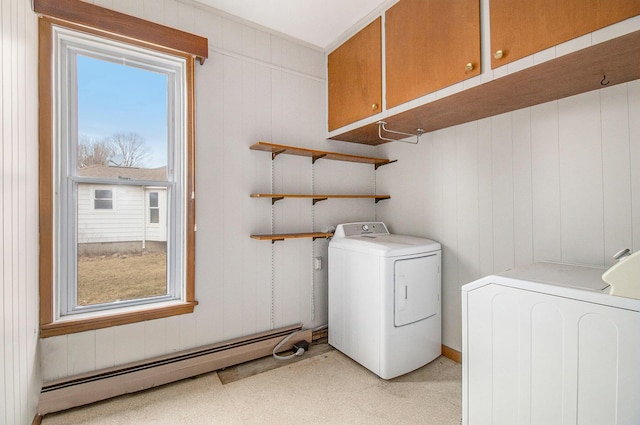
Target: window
x=119, y=120
x=154, y=209
x=103, y=199
x=116, y=118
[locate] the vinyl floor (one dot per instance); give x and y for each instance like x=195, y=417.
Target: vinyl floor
x=321, y=387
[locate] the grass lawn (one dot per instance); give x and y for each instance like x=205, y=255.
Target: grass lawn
x=107, y=279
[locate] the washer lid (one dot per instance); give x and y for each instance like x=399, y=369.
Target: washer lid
x=388, y=245
x=572, y=276
x=582, y=283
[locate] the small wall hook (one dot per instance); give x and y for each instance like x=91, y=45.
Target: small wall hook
x=603, y=82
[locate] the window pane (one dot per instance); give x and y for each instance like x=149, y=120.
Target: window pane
x=119, y=256
x=103, y=204
x=120, y=276
x=103, y=194
x=154, y=210
x=122, y=121
x=154, y=216
x=122, y=135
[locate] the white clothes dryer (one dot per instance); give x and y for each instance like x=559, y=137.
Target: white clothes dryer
x=384, y=298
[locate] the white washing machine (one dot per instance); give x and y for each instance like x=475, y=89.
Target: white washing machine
x=384, y=298
x=547, y=343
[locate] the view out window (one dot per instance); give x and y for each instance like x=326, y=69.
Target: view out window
x=116, y=119
x=120, y=121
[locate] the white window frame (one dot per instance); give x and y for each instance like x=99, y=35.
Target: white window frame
x=67, y=44
x=112, y=199
x=156, y=208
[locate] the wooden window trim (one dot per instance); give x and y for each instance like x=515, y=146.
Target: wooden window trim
x=116, y=319
x=116, y=23
x=124, y=29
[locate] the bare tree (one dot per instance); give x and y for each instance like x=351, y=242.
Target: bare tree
x=93, y=152
x=131, y=146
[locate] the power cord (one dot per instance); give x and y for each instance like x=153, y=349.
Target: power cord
x=299, y=347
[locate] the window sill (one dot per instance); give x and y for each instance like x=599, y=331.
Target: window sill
x=109, y=319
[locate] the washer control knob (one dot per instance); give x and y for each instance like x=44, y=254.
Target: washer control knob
x=365, y=227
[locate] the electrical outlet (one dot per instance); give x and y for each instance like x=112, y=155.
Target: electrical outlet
x=317, y=263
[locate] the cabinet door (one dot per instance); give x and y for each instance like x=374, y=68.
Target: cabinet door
x=355, y=77
x=430, y=44
x=522, y=28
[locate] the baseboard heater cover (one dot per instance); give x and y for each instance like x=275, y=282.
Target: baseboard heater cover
x=107, y=383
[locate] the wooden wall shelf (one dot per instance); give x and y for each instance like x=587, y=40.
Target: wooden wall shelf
x=316, y=155
x=282, y=236
x=316, y=198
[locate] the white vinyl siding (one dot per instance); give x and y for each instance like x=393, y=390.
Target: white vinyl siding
x=124, y=223
x=128, y=222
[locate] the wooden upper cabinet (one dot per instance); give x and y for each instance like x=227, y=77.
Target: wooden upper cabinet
x=355, y=77
x=430, y=44
x=522, y=28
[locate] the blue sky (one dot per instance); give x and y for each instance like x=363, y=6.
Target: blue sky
x=114, y=98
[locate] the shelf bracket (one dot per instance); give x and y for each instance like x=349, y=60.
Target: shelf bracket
x=316, y=200
x=378, y=165
x=276, y=240
x=276, y=153
x=276, y=199
x=381, y=128
x=314, y=158
x=381, y=199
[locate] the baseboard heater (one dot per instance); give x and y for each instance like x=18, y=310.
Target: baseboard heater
x=106, y=383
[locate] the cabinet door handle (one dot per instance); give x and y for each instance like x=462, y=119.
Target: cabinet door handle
x=374, y=107
x=469, y=66
x=499, y=54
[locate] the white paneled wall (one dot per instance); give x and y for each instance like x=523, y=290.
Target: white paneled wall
x=554, y=182
x=20, y=377
x=254, y=86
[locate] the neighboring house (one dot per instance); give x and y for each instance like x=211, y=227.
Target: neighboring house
x=121, y=218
